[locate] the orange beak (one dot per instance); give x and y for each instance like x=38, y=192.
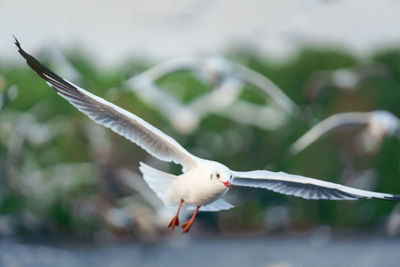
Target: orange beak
x=227, y=184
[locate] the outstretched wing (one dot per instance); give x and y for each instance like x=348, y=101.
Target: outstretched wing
x=270, y=88
x=303, y=187
x=327, y=125
x=153, y=74
x=111, y=116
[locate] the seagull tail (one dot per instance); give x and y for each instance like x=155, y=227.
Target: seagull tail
x=157, y=180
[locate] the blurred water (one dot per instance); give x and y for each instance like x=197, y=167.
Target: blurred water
x=182, y=251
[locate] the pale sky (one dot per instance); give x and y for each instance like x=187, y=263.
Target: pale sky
x=111, y=30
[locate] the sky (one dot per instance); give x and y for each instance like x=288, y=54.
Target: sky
x=158, y=30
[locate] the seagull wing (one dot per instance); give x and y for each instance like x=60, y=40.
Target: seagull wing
x=111, y=116
x=327, y=125
x=303, y=187
x=270, y=88
x=174, y=65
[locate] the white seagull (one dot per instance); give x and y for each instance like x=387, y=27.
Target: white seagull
x=219, y=70
x=203, y=182
x=222, y=100
x=380, y=123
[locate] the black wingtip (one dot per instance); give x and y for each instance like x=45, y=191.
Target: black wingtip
x=393, y=197
x=20, y=50
x=38, y=67
x=16, y=42
x=55, y=81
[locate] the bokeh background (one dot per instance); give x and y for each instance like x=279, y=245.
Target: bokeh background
x=65, y=180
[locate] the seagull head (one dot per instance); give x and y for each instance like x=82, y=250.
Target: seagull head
x=221, y=176
x=383, y=123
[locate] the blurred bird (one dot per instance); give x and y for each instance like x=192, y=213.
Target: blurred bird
x=223, y=100
x=218, y=70
x=379, y=124
x=203, y=182
x=346, y=79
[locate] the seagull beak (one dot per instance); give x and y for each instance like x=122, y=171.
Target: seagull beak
x=227, y=184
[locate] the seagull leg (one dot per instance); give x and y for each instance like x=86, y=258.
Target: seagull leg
x=186, y=226
x=175, y=220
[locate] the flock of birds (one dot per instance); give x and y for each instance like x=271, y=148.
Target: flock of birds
x=203, y=183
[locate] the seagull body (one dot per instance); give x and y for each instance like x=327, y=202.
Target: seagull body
x=195, y=189
x=380, y=123
x=203, y=183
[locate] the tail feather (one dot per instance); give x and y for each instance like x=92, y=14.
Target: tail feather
x=157, y=180
x=217, y=205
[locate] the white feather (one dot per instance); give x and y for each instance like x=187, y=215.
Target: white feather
x=303, y=187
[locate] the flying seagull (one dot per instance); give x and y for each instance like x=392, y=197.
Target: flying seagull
x=345, y=79
x=220, y=71
x=202, y=183
x=380, y=123
x=222, y=100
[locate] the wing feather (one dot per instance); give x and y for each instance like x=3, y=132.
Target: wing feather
x=328, y=125
x=303, y=187
x=111, y=116
x=270, y=88
x=217, y=205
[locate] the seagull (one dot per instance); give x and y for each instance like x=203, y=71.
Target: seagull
x=229, y=79
x=219, y=70
x=203, y=183
x=345, y=79
x=380, y=123
x=222, y=100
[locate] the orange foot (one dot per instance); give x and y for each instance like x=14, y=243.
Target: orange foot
x=186, y=226
x=174, y=222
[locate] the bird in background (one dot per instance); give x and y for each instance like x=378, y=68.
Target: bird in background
x=218, y=70
x=379, y=124
x=203, y=183
x=345, y=79
x=186, y=117
x=229, y=79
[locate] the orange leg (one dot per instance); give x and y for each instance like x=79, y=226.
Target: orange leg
x=186, y=226
x=175, y=220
